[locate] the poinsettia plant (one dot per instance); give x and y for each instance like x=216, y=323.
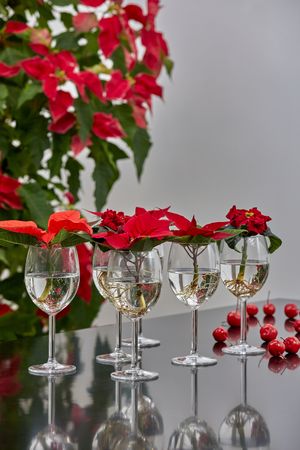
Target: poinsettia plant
x=250, y=222
x=75, y=76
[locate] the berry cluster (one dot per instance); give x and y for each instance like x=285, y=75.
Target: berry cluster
x=268, y=333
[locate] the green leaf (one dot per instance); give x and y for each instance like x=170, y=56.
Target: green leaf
x=74, y=168
x=29, y=92
x=140, y=146
x=37, y=203
x=74, y=239
x=60, y=146
x=3, y=92
x=8, y=237
x=275, y=241
x=105, y=174
x=67, y=19
x=37, y=140
x=169, y=66
x=84, y=114
x=63, y=2
x=67, y=41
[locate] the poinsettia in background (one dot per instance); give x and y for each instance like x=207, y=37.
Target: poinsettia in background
x=74, y=75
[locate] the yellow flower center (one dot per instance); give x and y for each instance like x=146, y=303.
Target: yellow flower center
x=249, y=214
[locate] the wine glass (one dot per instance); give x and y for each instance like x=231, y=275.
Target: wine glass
x=134, y=283
x=100, y=261
x=194, y=273
x=52, y=280
x=244, y=270
x=52, y=437
x=144, y=342
x=244, y=426
x=115, y=429
x=194, y=433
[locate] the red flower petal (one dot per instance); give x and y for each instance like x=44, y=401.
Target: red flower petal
x=85, y=262
x=117, y=87
x=50, y=85
x=105, y=126
x=40, y=49
x=84, y=21
x=64, y=124
x=13, y=26
x=92, y=81
x=110, y=29
x=139, y=115
x=21, y=226
x=67, y=220
x=8, y=71
x=118, y=241
x=146, y=85
x=94, y=3
x=60, y=105
x=146, y=225
x=77, y=145
x=38, y=68
x=135, y=12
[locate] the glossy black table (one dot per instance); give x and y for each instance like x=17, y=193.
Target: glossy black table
x=238, y=404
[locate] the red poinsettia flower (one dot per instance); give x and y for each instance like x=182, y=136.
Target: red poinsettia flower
x=93, y=3
x=8, y=192
x=84, y=21
x=187, y=227
x=65, y=220
x=109, y=36
x=60, y=106
x=251, y=220
x=117, y=87
x=63, y=124
x=135, y=12
x=105, y=126
x=14, y=27
x=114, y=220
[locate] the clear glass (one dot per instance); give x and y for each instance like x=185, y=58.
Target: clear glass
x=52, y=280
x=194, y=274
x=134, y=283
x=244, y=426
x=194, y=433
x=244, y=271
x=144, y=342
x=52, y=437
x=100, y=262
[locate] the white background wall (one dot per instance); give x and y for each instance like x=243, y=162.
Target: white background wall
x=228, y=131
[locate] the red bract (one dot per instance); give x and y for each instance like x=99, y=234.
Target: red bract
x=66, y=220
x=112, y=219
x=4, y=309
x=145, y=86
x=40, y=36
x=146, y=225
x=93, y=3
x=64, y=124
x=250, y=219
x=62, y=103
x=187, y=227
x=85, y=285
x=8, y=71
x=77, y=145
x=105, y=125
x=13, y=26
x=85, y=21
x=22, y=226
x=8, y=192
x=117, y=87
x=110, y=30
x=156, y=50
x=135, y=12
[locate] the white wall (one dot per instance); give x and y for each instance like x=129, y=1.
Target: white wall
x=229, y=129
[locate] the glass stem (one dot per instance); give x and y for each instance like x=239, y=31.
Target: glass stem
x=134, y=338
x=244, y=381
x=194, y=391
x=134, y=405
x=140, y=328
x=194, y=347
x=118, y=332
x=118, y=404
x=243, y=303
x=51, y=342
x=51, y=401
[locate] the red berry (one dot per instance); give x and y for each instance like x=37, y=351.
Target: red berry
x=220, y=334
x=234, y=319
x=252, y=309
x=269, y=309
x=291, y=310
x=297, y=326
x=292, y=344
x=276, y=348
x=277, y=364
x=268, y=332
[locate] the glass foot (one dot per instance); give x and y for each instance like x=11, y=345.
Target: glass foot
x=243, y=349
x=134, y=375
x=143, y=342
x=193, y=361
x=114, y=358
x=54, y=368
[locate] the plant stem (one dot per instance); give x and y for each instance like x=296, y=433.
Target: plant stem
x=241, y=273
x=194, y=347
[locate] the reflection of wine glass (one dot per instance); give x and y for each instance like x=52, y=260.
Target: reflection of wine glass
x=135, y=439
x=244, y=427
x=100, y=261
x=193, y=433
x=194, y=275
x=115, y=428
x=144, y=342
x=244, y=271
x=51, y=279
x=134, y=284
x=52, y=437
x=150, y=421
